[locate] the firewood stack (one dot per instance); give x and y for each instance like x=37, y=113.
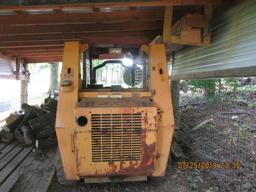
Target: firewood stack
x=32, y=125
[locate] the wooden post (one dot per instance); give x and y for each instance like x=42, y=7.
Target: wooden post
x=208, y=12
x=167, y=28
x=17, y=72
x=24, y=91
x=54, y=77
x=24, y=86
x=175, y=88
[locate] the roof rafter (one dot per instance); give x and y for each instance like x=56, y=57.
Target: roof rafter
x=81, y=18
x=80, y=28
x=155, y=3
x=80, y=36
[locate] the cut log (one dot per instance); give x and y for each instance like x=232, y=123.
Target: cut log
x=14, y=124
x=6, y=137
x=12, y=117
x=40, y=122
x=45, y=133
x=29, y=115
x=50, y=105
x=48, y=142
x=28, y=108
x=27, y=135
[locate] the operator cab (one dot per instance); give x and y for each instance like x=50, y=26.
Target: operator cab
x=114, y=74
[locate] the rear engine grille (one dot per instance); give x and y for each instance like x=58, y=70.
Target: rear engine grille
x=116, y=137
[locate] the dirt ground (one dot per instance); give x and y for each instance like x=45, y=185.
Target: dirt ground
x=172, y=180
x=223, y=130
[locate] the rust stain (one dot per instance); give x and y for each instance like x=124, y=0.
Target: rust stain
x=143, y=167
x=145, y=119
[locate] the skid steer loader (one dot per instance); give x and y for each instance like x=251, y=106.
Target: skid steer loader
x=114, y=130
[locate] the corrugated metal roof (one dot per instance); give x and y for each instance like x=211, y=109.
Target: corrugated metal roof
x=233, y=48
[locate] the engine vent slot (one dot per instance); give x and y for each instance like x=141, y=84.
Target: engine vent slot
x=116, y=137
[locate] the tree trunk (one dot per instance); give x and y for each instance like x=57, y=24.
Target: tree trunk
x=24, y=91
x=54, y=67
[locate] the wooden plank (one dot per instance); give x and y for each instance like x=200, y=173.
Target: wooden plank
x=37, y=177
x=80, y=28
x=82, y=18
x=13, y=164
x=13, y=178
x=2, y=145
x=27, y=179
x=154, y=3
x=5, y=160
x=8, y=148
x=49, y=170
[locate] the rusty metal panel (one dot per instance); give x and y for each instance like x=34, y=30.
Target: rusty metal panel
x=232, y=51
x=116, y=141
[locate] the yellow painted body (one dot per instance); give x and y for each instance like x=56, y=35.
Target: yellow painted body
x=128, y=133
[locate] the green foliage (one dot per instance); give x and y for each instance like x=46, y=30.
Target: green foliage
x=245, y=125
x=252, y=105
x=212, y=189
x=192, y=181
x=208, y=85
x=243, y=130
x=96, y=62
x=247, y=88
x=232, y=83
x=36, y=68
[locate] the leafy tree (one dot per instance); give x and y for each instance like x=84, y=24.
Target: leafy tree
x=208, y=85
x=232, y=83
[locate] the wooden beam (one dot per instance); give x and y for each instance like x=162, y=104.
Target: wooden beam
x=36, y=55
x=30, y=45
x=81, y=36
x=79, y=18
x=20, y=12
x=91, y=41
x=37, y=48
x=43, y=56
x=58, y=11
x=31, y=51
x=43, y=60
x=153, y=3
x=79, y=28
x=167, y=28
x=208, y=12
x=7, y=58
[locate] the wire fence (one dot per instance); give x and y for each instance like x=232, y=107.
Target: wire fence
x=220, y=140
